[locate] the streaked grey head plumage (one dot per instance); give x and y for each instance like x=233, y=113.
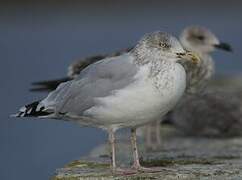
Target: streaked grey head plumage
x=198, y=39
x=161, y=40
x=159, y=44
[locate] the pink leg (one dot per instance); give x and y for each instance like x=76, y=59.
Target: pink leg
x=157, y=134
x=152, y=136
x=136, y=164
x=148, y=136
x=114, y=167
x=112, y=144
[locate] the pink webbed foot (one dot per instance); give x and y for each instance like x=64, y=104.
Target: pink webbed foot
x=146, y=169
x=124, y=171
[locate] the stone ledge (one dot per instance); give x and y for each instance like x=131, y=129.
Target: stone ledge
x=179, y=157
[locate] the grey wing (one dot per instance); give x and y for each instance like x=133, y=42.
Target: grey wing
x=75, y=68
x=73, y=71
x=97, y=80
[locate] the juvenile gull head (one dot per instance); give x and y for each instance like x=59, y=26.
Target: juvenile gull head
x=200, y=39
x=203, y=42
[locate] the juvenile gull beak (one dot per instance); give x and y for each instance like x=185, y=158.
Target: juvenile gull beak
x=224, y=46
x=191, y=56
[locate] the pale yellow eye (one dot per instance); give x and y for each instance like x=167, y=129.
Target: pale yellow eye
x=164, y=45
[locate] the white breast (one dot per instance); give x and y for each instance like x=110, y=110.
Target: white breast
x=148, y=99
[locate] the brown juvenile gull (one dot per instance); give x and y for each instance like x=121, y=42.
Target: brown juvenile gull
x=214, y=113
x=227, y=82
x=203, y=42
x=129, y=90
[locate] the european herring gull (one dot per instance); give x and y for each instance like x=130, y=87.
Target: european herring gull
x=129, y=90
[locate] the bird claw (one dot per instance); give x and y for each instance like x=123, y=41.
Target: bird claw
x=147, y=170
x=124, y=172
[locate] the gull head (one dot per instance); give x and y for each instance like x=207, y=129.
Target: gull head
x=201, y=40
x=163, y=46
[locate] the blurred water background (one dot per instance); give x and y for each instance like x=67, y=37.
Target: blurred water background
x=38, y=41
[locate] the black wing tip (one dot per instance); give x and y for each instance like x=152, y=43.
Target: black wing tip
x=32, y=110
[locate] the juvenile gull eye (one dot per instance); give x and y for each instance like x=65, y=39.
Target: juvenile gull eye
x=201, y=38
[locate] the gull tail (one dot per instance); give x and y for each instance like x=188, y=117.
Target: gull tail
x=34, y=109
x=48, y=86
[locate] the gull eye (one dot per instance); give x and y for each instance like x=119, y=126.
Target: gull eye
x=201, y=38
x=164, y=45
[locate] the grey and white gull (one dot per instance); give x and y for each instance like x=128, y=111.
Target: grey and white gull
x=129, y=90
x=194, y=38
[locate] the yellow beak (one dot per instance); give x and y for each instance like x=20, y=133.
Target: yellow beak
x=191, y=56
